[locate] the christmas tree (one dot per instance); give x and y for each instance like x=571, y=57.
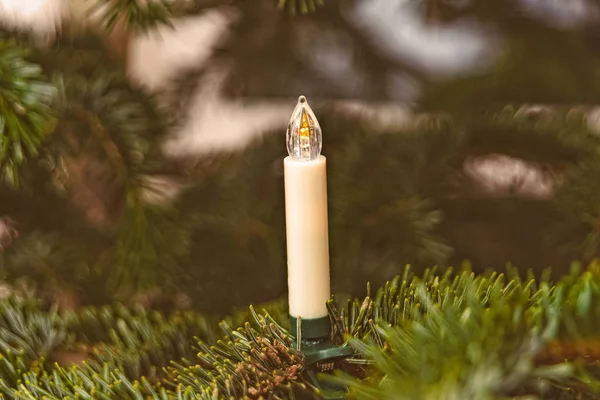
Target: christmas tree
x=437, y=163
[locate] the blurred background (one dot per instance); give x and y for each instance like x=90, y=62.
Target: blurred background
x=456, y=131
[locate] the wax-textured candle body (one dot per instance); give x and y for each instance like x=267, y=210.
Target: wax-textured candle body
x=307, y=237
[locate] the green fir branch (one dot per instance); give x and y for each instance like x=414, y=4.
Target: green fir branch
x=112, y=131
x=433, y=335
x=248, y=362
x=142, y=16
x=139, y=342
x=26, y=116
x=137, y=16
x=494, y=336
x=27, y=330
x=42, y=260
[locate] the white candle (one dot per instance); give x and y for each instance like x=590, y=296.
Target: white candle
x=306, y=216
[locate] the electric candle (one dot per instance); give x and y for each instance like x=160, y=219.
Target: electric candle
x=305, y=178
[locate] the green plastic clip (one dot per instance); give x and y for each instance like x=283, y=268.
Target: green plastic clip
x=313, y=339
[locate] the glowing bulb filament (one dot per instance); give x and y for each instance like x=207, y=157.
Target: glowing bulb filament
x=303, y=137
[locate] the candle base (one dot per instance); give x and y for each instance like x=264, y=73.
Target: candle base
x=310, y=328
x=321, y=354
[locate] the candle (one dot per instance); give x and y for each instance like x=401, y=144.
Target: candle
x=305, y=178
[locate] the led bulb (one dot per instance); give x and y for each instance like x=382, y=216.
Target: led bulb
x=303, y=136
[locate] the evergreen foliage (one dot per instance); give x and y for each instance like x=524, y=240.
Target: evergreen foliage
x=486, y=337
x=80, y=150
x=394, y=191
x=99, y=156
x=436, y=335
x=25, y=113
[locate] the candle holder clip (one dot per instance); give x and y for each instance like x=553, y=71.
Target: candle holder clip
x=313, y=339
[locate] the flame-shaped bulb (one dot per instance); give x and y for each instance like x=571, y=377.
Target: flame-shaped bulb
x=303, y=136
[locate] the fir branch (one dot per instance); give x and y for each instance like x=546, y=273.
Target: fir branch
x=26, y=117
x=75, y=383
x=136, y=15
x=104, y=150
x=139, y=342
x=12, y=366
x=277, y=310
x=510, y=328
x=578, y=217
x=436, y=335
x=44, y=259
x=142, y=16
x=126, y=349
x=151, y=242
x=26, y=330
x=247, y=363
x=478, y=323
